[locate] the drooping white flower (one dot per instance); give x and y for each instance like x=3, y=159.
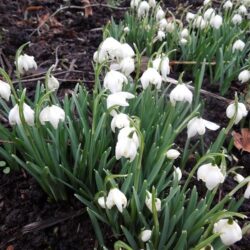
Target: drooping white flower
x=183, y=41
x=206, y=2
x=116, y=198
x=181, y=93
x=241, y=112
x=25, y=63
x=143, y=9
x=238, y=45
x=198, y=126
x=145, y=235
x=228, y=5
x=149, y=201
x=211, y=175
x=160, y=35
x=178, y=173
x=185, y=33
x=246, y=2
x=126, y=30
x=5, y=90
x=127, y=66
x=239, y=178
x=52, y=114
x=170, y=27
x=120, y=121
x=134, y=3
x=247, y=191
x=209, y=14
x=28, y=113
x=190, y=16
x=199, y=22
x=160, y=14
x=237, y=19
x=126, y=51
x=216, y=21
x=53, y=83
x=127, y=144
x=230, y=232
x=151, y=76
x=244, y=76
x=163, y=24
x=114, y=81
x=152, y=3
x=161, y=64
x=172, y=154
x=242, y=10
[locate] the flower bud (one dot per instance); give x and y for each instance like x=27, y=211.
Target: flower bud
x=172, y=154
x=228, y=5
x=145, y=235
x=241, y=112
x=244, y=76
x=238, y=45
x=25, y=63
x=5, y=90
x=53, y=83
x=237, y=19
x=148, y=202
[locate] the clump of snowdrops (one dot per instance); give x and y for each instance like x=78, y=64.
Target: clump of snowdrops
x=218, y=36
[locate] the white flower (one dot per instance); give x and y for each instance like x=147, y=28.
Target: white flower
x=216, y=21
x=242, y=10
x=114, y=81
x=185, y=33
x=178, y=172
x=239, y=178
x=241, y=112
x=181, y=93
x=152, y=3
x=53, y=83
x=151, y=76
x=143, y=9
x=211, y=175
x=25, y=63
x=134, y=3
x=28, y=113
x=126, y=30
x=172, y=154
x=238, y=45
x=163, y=24
x=162, y=66
x=190, y=16
x=118, y=99
x=209, y=14
x=120, y=121
x=52, y=114
x=200, y=22
x=160, y=35
x=101, y=202
x=149, y=201
x=206, y=2
x=227, y=5
x=5, y=90
x=127, y=144
x=127, y=51
x=145, y=235
x=247, y=192
x=237, y=19
x=116, y=198
x=198, y=126
x=183, y=41
x=244, y=76
x=170, y=27
x=127, y=66
x=246, y=2
x=160, y=14
x=230, y=232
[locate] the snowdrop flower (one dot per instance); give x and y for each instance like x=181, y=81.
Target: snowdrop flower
x=160, y=35
x=151, y=76
x=183, y=41
x=228, y=5
x=5, y=90
x=114, y=81
x=145, y=235
x=200, y=22
x=127, y=66
x=52, y=114
x=160, y=14
x=25, y=63
x=216, y=21
x=238, y=45
x=198, y=126
x=126, y=30
x=209, y=14
x=162, y=66
x=152, y=3
x=118, y=99
x=244, y=76
x=149, y=201
x=241, y=112
x=134, y=3
x=28, y=113
x=127, y=144
x=116, y=198
x=127, y=51
x=239, y=178
x=237, y=19
x=247, y=192
x=230, y=232
x=185, y=33
x=242, y=10
x=172, y=154
x=246, y=2
x=178, y=174
x=163, y=24
x=143, y=9
x=190, y=16
x=206, y=2
x=170, y=27
x=53, y=83
x=101, y=202
x=211, y=175
x=181, y=93
x=120, y=121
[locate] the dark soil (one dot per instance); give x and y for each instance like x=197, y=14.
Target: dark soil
x=28, y=220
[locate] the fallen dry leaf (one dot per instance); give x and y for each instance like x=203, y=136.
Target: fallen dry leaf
x=10, y=247
x=88, y=10
x=242, y=140
x=52, y=24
